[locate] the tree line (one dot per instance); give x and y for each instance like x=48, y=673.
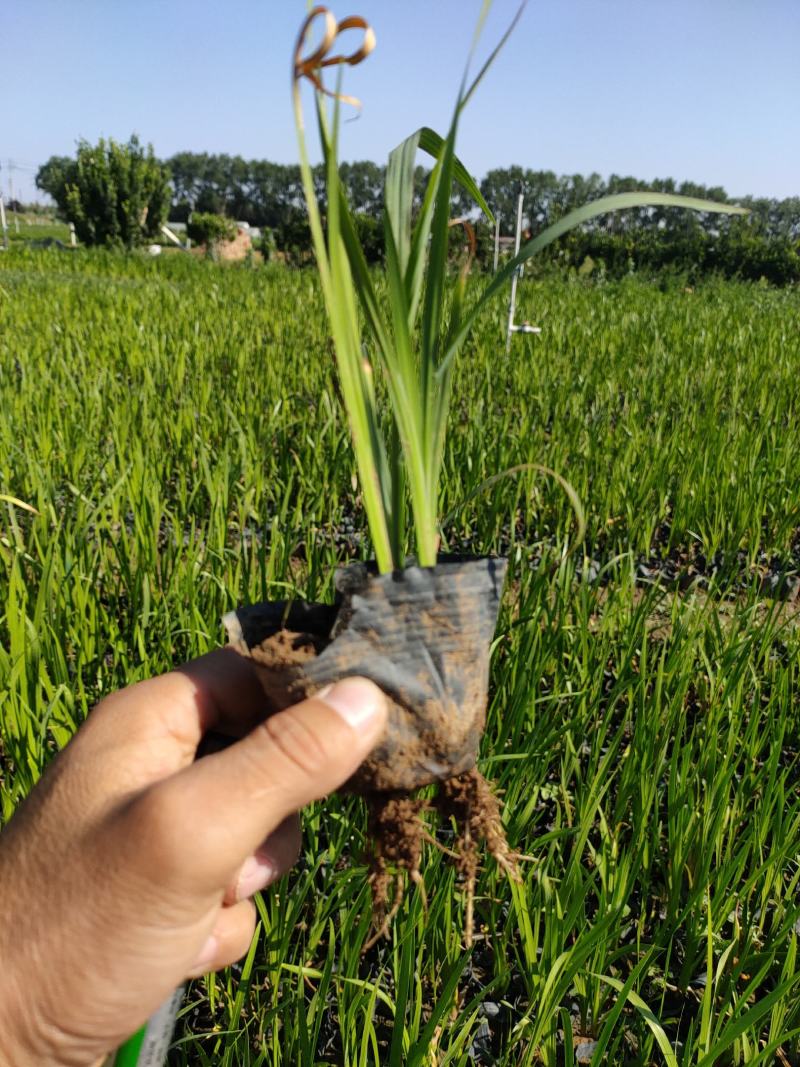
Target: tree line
x=269, y=195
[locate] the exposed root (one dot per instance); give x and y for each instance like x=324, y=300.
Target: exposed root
x=398, y=832
x=428, y=836
x=473, y=806
x=472, y=803
x=382, y=916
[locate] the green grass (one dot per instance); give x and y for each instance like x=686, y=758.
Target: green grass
x=35, y=228
x=176, y=426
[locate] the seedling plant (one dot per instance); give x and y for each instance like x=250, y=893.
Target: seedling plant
x=405, y=342
x=412, y=337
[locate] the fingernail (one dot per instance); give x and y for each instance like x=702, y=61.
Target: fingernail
x=207, y=955
x=357, y=700
x=256, y=873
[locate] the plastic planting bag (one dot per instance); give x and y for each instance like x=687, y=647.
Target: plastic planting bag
x=422, y=634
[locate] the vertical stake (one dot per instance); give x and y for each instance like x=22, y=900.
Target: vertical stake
x=512, y=304
x=11, y=194
x=3, y=224
x=523, y=327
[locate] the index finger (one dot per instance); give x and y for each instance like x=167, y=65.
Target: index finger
x=227, y=691
x=154, y=728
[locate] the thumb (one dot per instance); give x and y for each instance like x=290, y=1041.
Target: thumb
x=227, y=803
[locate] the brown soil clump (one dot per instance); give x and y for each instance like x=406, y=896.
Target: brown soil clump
x=396, y=826
x=398, y=831
x=282, y=655
x=423, y=636
x=472, y=804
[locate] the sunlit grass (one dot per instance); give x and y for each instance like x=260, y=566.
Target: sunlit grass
x=176, y=427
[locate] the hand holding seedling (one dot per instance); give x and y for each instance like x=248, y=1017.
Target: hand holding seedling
x=412, y=628
x=131, y=865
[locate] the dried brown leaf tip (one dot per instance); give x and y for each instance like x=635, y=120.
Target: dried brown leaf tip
x=311, y=65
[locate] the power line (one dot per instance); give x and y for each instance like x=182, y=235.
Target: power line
x=16, y=164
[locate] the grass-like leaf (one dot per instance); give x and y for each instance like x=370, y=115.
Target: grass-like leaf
x=627, y=993
x=415, y=333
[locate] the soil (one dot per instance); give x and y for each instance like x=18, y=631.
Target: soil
x=396, y=827
x=422, y=636
x=282, y=654
x=398, y=832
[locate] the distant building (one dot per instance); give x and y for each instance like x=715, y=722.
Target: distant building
x=238, y=247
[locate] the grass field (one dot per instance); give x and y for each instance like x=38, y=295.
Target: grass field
x=29, y=227
x=176, y=426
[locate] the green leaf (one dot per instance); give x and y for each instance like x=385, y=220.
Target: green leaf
x=655, y=1026
x=404, y=974
x=744, y=1022
x=415, y=272
x=342, y=305
x=572, y=495
x=412, y=247
x=495, y=51
x=432, y=143
x=399, y=195
x=434, y=410
x=421, y=1047
x=18, y=503
x=618, y=202
x=611, y=1019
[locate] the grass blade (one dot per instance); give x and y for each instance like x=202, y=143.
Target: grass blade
x=655, y=1026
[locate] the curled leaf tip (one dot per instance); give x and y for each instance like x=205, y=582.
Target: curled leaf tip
x=310, y=66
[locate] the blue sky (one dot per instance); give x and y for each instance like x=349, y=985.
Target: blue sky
x=701, y=89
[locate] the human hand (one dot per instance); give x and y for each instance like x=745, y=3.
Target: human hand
x=130, y=866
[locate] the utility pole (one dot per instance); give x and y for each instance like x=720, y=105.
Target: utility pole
x=3, y=225
x=11, y=193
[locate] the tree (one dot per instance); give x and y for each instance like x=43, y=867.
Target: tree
x=186, y=170
x=270, y=195
x=276, y=191
x=363, y=182
x=114, y=194
x=52, y=177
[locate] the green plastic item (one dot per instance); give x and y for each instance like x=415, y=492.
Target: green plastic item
x=128, y=1054
x=148, y=1046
